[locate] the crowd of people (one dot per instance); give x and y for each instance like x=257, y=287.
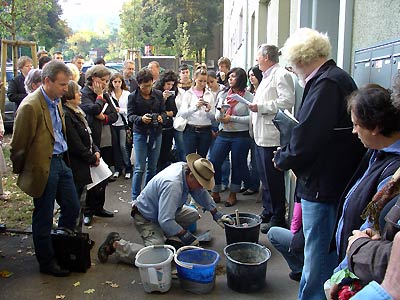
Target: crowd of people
x=193, y=134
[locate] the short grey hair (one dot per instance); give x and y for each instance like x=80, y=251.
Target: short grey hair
x=33, y=77
x=270, y=50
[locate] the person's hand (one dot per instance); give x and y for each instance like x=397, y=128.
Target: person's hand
x=225, y=119
x=97, y=88
x=166, y=94
x=253, y=107
x=200, y=103
x=222, y=219
x=207, y=106
x=368, y=233
x=222, y=75
x=273, y=159
x=333, y=293
x=117, y=109
x=159, y=119
x=146, y=119
x=100, y=116
x=189, y=239
x=97, y=154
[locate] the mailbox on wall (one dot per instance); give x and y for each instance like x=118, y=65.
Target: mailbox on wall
x=377, y=64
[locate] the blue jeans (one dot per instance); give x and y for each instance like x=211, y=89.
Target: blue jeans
x=60, y=186
x=120, y=150
x=179, y=145
x=197, y=140
x=273, y=184
x=239, y=148
x=318, y=227
x=281, y=239
x=148, y=149
x=225, y=168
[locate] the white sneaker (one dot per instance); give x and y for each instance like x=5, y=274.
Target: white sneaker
x=116, y=174
x=128, y=176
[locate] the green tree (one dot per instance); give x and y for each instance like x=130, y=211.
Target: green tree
x=201, y=18
x=131, y=25
x=181, y=40
x=37, y=21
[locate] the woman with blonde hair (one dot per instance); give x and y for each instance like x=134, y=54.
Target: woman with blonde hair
x=198, y=108
x=75, y=71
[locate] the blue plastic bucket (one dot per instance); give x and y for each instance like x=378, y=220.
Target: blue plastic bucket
x=196, y=269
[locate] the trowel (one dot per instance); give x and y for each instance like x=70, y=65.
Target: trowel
x=204, y=237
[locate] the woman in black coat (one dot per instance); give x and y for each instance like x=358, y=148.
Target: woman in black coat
x=100, y=113
x=82, y=152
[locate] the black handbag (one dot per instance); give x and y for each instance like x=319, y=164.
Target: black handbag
x=284, y=122
x=128, y=131
x=72, y=249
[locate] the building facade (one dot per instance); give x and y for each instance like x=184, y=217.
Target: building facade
x=350, y=24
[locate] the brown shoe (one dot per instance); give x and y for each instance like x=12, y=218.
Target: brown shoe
x=231, y=201
x=216, y=197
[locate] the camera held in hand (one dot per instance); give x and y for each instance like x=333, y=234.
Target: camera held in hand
x=154, y=118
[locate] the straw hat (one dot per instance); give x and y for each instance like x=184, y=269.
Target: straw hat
x=202, y=169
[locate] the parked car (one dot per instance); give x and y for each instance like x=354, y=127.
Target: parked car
x=112, y=68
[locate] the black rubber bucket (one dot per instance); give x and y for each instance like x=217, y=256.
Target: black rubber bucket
x=247, y=231
x=246, y=266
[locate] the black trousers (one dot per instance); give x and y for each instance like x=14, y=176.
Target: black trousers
x=273, y=184
x=95, y=198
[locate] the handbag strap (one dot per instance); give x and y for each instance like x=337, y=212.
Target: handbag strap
x=124, y=120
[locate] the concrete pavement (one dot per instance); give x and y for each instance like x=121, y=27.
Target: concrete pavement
x=27, y=283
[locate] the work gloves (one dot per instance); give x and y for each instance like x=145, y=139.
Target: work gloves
x=222, y=219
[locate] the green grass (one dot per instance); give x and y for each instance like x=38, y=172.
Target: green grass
x=17, y=211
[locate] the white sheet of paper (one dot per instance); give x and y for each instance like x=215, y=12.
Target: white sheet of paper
x=99, y=173
x=104, y=108
x=240, y=99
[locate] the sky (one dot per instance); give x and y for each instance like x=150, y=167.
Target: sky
x=86, y=14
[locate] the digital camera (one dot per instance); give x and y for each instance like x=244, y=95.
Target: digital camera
x=154, y=118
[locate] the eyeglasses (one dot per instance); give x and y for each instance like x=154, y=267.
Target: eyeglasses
x=146, y=86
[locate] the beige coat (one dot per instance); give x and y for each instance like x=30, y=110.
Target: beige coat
x=32, y=143
x=274, y=92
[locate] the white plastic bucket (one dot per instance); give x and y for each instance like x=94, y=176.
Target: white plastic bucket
x=154, y=263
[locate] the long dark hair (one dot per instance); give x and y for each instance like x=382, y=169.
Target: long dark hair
x=168, y=75
x=241, y=79
x=115, y=76
x=258, y=74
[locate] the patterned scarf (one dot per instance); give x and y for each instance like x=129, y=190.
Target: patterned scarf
x=232, y=102
x=387, y=193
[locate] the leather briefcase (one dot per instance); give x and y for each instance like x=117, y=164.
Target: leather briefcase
x=72, y=249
